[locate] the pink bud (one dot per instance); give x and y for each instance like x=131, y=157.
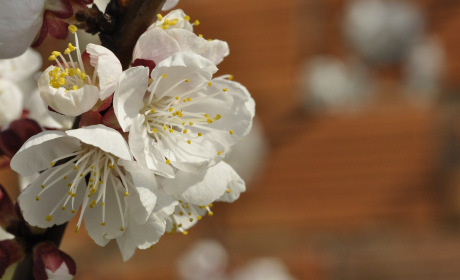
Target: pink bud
x=16, y=134
x=52, y=263
x=10, y=253
x=7, y=211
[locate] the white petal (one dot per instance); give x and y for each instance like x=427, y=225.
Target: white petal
x=93, y=216
x=103, y=137
x=129, y=96
x=143, y=199
x=236, y=107
x=144, y=150
x=147, y=45
x=200, y=189
x=176, y=15
x=169, y=4
x=214, y=50
x=20, y=21
x=34, y=211
x=21, y=67
x=62, y=273
x=10, y=102
x=236, y=186
x=38, y=111
x=70, y=103
x=108, y=69
x=4, y=235
x=38, y=152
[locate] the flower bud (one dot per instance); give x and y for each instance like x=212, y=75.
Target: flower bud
x=16, y=134
x=10, y=253
x=7, y=211
x=52, y=263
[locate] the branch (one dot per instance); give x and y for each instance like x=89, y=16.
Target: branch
x=128, y=25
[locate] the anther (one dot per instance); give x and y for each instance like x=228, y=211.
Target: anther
x=63, y=208
x=52, y=163
x=185, y=131
x=167, y=162
x=73, y=211
x=190, y=123
x=200, y=35
x=171, y=130
x=188, y=141
x=51, y=57
x=186, y=80
x=43, y=186
x=164, y=76
x=197, y=22
x=73, y=28
x=229, y=190
x=49, y=218
x=219, y=153
x=122, y=228
x=126, y=193
x=209, y=121
x=185, y=232
x=154, y=130
x=111, y=166
x=198, y=217
x=102, y=224
x=209, y=84
x=186, y=18
x=37, y=198
x=225, y=89
x=231, y=131
x=200, y=134
x=160, y=17
x=152, y=111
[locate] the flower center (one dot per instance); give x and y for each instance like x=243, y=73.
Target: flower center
x=172, y=22
x=91, y=164
x=168, y=117
x=69, y=74
x=185, y=214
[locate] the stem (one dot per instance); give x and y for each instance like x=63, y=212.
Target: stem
x=132, y=21
x=130, y=25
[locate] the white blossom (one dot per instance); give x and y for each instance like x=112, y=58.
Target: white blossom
x=181, y=116
x=72, y=88
x=93, y=153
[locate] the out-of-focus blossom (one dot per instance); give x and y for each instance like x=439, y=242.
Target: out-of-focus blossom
x=169, y=4
x=424, y=69
x=263, y=269
x=181, y=113
x=22, y=67
x=22, y=20
x=328, y=84
x=55, y=196
x=248, y=156
x=205, y=260
x=11, y=101
x=382, y=31
x=53, y=264
x=197, y=192
x=72, y=88
x=172, y=34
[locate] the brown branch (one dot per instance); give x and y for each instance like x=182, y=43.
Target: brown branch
x=124, y=22
x=130, y=23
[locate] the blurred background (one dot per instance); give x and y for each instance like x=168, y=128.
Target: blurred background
x=353, y=166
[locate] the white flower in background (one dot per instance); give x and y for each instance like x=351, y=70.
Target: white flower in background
x=11, y=100
x=263, y=269
x=424, y=68
x=23, y=22
x=22, y=67
x=181, y=116
x=197, y=192
x=169, y=4
x=205, y=260
x=72, y=88
x=172, y=34
x=54, y=197
x=382, y=31
x=328, y=84
x=248, y=156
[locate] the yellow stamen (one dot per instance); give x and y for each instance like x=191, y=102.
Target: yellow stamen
x=49, y=218
x=73, y=28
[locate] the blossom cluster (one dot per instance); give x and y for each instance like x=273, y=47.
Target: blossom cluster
x=147, y=156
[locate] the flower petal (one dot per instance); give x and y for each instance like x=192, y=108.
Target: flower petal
x=11, y=98
x=144, y=150
x=105, y=138
x=20, y=21
x=35, y=212
x=214, y=50
x=113, y=222
x=37, y=153
x=108, y=69
x=203, y=188
x=128, y=98
x=169, y=4
x=145, y=46
x=21, y=67
x=143, y=199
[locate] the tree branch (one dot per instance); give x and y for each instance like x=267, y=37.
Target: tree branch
x=129, y=22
